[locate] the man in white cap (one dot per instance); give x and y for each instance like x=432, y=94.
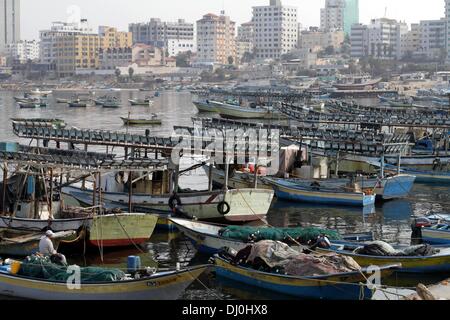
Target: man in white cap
x=47, y=249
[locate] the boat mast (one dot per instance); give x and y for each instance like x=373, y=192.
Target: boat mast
x=5, y=184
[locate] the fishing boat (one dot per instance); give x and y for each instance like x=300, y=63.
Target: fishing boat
x=238, y=112
x=438, y=262
x=438, y=234
x=204, y=106
x=356, y=82
x=208, y=239
x=236, y=180
x=111, y=103
x=19, y=243
x=141, y=102
x=232, y=205
x=77, y=104
x=294, y=191
x=60, y=100
x=344, y=286
x=429, y=176
x=29, y=105
x=121, y=230
x=138, y=122
x=166, y=285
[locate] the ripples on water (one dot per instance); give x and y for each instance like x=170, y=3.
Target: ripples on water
x=389, y=221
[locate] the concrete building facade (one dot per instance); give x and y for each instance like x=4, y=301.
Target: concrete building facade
x=23, y=51
x=276, y=30
x=339, y=15
x=315, y=39
x=111, y=38
x=216, y=42
x=9, y=23
x=176, y=36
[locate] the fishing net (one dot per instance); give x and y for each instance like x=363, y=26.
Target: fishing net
x=303, y=235
x=41, y=268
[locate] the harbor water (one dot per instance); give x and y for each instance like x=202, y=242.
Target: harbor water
x=389, y=221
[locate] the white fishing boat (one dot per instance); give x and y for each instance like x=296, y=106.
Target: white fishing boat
x=232, y=205
x=226, y=110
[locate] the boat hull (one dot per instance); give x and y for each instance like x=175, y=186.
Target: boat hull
x=435, y=237
x=298, y=194
x=165, y=286
x=333, y=287
x=121, y=230
x=245, y=204
x=396, y=187
x=438, y=263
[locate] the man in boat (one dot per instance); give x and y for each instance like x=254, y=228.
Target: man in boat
x=47, y=249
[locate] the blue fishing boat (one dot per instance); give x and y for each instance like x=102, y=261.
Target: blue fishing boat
x=429, y=176
x=295, y=191
x=209, y=239
x=433, y=229
x=343, y=286
x=435, y=263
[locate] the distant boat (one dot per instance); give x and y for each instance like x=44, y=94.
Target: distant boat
x=77, y=104
x=204, y=106
x=111, y=103
x=140, y=102
x=29, y=105
x=130, y=121
x=237, y=112
x=62, y=100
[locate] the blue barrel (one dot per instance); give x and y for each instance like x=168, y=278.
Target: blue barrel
x=134, y=263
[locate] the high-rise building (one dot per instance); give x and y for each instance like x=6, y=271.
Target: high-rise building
x=351, y=15
x=339, y=15
x=70, y=46
x=175, y=37
x=432, y=38
x=23, y=51
x=111, y=38
x=382, y=38
x=216, y=42
x=447, y=20
x=9, y=23
x=276, y=30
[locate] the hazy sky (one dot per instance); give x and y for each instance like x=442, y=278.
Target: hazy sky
x=38, y=14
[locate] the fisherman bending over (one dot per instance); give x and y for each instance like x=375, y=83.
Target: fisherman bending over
x=47, y=249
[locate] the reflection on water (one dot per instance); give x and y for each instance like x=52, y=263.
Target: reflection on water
x=389, y=221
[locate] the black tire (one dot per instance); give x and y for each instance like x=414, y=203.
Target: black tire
x=223, y=208
x=174, y=201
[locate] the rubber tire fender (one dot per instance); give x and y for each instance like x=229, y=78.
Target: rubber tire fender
x=221, y=208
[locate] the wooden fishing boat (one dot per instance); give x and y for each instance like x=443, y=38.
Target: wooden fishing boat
x=232, y=205
x=77, y=104
x=19, y=243
x=114, y=230
x=29, y=105
x=121, y=230
x=439, y=262
x=137, y=122
x=237, y=180
x=344, y=286
x=429, y=176
x=60, y=100
x=206, y=237
x=140, y=102
x=204, y=106
x=237, y=112
x=168, y=285
x=438, y=234
x=290, y=190
x=111, y=103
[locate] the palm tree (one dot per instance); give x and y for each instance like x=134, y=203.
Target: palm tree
x=118, y=73
x=130, y=73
